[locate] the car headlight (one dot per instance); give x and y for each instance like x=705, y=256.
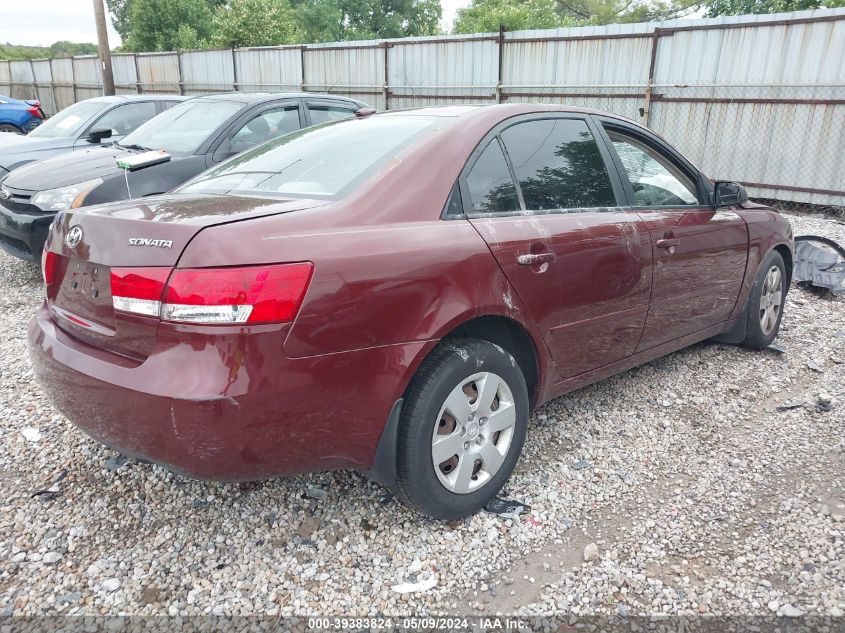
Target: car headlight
x=69, y=197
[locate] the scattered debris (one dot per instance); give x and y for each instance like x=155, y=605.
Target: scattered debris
x=820, y=263
x=315, y=492
x=416, y=587
x=113, y=463
x=53, y=490
x=31, y=434
x=824, y=403
x=790, y=405
x=814, y=366
x=507, y=508
x=777, y=347
x=581, y=464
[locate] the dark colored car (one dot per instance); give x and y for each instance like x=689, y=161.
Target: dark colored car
x=198, y=134
x=83, y=125
x=19, y=117
x=394, y=293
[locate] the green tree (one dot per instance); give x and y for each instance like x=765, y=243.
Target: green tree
x=165, y=25
x=121, y=11
x=329, y=20
x=253, y=23
x=740, y=7
x=63, y=48
x=484, y=16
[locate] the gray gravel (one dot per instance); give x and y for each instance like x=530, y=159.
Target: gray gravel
x=678, y=487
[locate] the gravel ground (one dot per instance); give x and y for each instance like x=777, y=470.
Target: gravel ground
x=681, y=482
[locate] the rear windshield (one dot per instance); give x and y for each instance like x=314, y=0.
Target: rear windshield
x=324, y=162
x=184, y=127
x=69, y=121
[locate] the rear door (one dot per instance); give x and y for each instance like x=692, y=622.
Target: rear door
x=325, y=110
x=699, y=251
x=540, y=194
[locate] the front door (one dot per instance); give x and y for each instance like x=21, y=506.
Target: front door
x=541, y=197
x=699, y=252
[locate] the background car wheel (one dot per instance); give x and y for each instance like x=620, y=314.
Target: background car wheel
x=765, y=307
x=462, y=428
x=8, y=128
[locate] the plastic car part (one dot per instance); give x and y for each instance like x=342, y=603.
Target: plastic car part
x=820, y=261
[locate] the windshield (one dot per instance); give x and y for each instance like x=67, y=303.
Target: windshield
x=68, y=122
x=182, y=128
x=323, y=162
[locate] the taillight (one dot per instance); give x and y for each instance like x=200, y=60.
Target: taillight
x=249, y=294
x=48, y=266
x=36, y=112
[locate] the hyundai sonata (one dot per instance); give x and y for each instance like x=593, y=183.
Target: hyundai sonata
x=394, y=293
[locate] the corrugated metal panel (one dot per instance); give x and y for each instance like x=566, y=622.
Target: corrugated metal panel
x=5, y=75
x=268, y=69
x=89, y=77
x=125, y=78
x=462, y=69
x=43, y=79
x=62, y=70
x=159, y=72
x=355, y=69
x=21, y=80
x=208, y=71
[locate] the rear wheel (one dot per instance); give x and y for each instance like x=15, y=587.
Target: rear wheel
x=462, y=429
x=765, y=308
x=8, y=128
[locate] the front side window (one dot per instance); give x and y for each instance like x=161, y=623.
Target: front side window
x=655, y=179
x=125, y=118
x=558, y=165
x=265, y=126
x=184, y=127
x=323, y=113
x=491, y=188
x=320, y=162
x=68, y=122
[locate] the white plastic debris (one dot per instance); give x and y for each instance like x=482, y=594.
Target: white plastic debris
x=415, y=587
x=31, y=433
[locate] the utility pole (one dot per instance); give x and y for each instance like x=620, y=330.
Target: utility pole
x=103, y=45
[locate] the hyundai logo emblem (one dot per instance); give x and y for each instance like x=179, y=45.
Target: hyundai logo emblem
x=73, y=237
x=4, y=194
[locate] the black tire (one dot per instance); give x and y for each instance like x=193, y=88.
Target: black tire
x=450, y=364
x=8, y=128
x=756, y=336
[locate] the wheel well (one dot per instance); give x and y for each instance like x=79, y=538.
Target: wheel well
x=512, y=337
x=786, y=254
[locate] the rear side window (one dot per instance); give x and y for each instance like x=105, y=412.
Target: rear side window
x=125, y=118
x=324, y=113
x=491, y=188
x=558, y=165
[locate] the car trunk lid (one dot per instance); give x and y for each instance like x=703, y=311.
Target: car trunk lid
x=86, y=246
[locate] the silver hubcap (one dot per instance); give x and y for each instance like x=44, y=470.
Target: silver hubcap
x=770, y=300
x=473, y=433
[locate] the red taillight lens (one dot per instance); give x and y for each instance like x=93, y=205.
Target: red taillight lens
x=36, y=112
x=250, y=294
x=48, y=266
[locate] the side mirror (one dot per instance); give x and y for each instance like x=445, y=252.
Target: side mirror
x=728, y=194
x=95, y=136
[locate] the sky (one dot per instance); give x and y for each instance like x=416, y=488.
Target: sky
x=42, y=22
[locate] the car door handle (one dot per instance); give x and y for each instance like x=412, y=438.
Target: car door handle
x=535, y=258
x=668, y=243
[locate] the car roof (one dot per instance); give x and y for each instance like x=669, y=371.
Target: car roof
x=258, y=97
x=141, y=97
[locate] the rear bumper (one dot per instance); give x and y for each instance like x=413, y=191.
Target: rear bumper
x=225, y=406
x=22, y=234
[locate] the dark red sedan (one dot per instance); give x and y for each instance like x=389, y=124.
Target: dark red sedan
x=394, y=293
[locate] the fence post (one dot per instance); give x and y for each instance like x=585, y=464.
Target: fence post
x=645, y=110
x=179, y=69
x=138, y=88
x=235, y=81
x=73, y=77
x=500, y=70
x=34, y=81
x=386, y=85
x=54, y=105
x=302, y=68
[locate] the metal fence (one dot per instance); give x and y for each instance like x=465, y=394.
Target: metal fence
x=760, y=99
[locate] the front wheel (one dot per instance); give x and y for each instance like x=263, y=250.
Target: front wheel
x=765, y=308
x=8, y=128
x=462, y=428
